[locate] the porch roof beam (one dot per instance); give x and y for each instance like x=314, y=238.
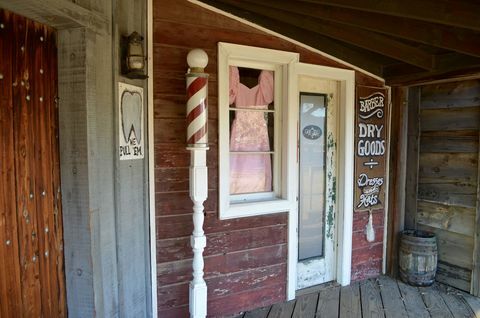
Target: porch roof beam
x=60, y=14
x=369, y=62
x=449, y=12
x=367, y=40
x=437, y=35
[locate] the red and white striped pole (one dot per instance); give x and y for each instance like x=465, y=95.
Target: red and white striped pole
x=197, y=143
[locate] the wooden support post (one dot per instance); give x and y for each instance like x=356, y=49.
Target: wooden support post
x=413, y=139
x=398, y=154
x=197, y=140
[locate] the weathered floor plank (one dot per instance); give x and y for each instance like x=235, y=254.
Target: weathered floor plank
x=458, y=307
x=434, y=302
x=258, y=313
x=413, y=301
x=328, y=301
x=473, y=302
x=306, y=306
x=282, y=310
x=378, y=297
x=392, y=299
x=350, y=301
x=372, y=306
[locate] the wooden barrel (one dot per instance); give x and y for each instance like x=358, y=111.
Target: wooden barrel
x=418, y=257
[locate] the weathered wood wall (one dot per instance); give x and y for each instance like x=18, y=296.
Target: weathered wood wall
x=31, y=232
x=448, y=130
x=245, y=259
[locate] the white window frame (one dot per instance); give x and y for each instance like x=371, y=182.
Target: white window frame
x=281, y=198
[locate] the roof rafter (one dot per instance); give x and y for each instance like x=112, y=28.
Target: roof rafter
x=457, y=13
x=437, y=35
x=368, y=40
x=358, y=57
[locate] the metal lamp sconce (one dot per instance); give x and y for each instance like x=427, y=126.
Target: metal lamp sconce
x=133, y=58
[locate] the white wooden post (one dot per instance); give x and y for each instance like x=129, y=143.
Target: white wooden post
x=197, y=140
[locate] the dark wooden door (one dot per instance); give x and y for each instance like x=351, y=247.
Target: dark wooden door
x=32, y=282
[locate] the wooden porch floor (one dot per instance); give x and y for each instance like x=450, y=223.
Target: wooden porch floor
x=377, y=297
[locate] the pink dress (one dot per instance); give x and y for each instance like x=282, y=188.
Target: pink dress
x=249, y=132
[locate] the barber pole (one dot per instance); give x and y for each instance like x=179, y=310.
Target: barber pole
x=197, y=113
x=197, y=143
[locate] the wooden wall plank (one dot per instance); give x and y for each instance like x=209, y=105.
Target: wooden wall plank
x=24, y=164
x=180, y=225
x=455, y=249
x=455, y=276
x=451, y=95
x=456, y=141
x=223, y=242
x=450, y=119
x=10, y=287
x=452, y=218
x=454, y=193
x=448, y=167
x=42, y=171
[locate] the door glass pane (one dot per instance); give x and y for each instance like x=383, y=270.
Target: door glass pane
x=312, y=175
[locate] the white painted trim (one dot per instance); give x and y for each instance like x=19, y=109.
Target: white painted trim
x=345, y=169
x=268, y=31
x=151, y=159
x=281, y=63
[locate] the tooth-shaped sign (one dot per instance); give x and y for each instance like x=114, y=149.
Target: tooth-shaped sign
x=132, y=116
x=130, y=122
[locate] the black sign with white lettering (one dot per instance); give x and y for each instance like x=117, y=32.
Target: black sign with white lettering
x=370, y=148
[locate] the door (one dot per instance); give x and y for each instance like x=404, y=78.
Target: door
x=31, y=238
x=318, y=99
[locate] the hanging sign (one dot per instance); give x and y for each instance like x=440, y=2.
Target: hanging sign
x=370, y=148
x=131, y=123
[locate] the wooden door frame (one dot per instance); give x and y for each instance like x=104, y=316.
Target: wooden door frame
x=345, y=173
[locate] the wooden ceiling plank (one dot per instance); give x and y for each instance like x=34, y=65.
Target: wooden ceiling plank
x=317, y=41
x=367, y=40
x=463, y=14
x=432, y=34
x=449, y=65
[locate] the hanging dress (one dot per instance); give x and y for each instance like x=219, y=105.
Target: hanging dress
x=250, y=173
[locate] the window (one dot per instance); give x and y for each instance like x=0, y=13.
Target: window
x=253, y=85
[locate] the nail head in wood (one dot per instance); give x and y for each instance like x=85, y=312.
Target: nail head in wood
x=8, y=242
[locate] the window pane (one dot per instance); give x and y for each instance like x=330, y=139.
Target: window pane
x=250, y=173
x=312, y=176
x=251, y=130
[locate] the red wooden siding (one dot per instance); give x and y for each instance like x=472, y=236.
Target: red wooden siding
x=245, y=259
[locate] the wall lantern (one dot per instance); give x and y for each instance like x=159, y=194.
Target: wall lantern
x=133, y=59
